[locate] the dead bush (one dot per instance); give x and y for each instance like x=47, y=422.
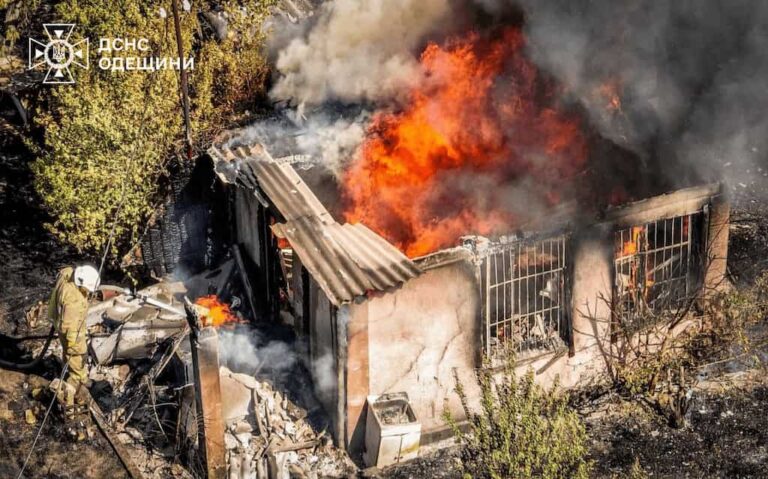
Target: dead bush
x=660, y=363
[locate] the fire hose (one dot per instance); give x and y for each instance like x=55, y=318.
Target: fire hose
x=145, y=299
x=32, y=364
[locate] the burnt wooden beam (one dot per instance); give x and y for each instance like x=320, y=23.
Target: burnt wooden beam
x=246, y=282
x=119, y=448
x=210, y=423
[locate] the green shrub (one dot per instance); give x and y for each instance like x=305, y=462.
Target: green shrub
x=521, y=431
x=108, y=138
x=635, y=472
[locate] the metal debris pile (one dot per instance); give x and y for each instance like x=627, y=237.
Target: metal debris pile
x=267, y=435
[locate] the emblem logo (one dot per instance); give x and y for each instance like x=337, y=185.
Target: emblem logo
x=58, y=53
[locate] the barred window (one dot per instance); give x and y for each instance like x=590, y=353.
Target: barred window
x=656, y=268
x=524, y=295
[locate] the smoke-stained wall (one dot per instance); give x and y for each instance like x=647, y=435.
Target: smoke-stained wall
x=420, y=334
x=247, y=223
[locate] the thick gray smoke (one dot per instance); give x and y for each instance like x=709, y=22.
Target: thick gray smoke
x=691, y=77
x=248, y=352
x=351, y=52
x=357, y=51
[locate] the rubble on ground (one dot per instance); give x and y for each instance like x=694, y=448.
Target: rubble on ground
x=267, y=435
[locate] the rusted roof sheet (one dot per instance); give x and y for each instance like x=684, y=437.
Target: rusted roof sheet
x=278, y=182
x=346, y=260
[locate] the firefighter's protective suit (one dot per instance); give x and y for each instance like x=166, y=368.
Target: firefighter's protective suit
x=67, y=309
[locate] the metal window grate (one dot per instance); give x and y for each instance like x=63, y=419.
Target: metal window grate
x=524, y=295
x=655, y=268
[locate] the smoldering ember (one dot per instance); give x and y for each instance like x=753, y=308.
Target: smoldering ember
x=401, y=239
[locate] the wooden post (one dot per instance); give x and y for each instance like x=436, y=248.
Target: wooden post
x=184, y=81
x=210, y=424
x=716, y=255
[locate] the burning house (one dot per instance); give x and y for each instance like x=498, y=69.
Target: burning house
x=459, y=205
x=441, y=210
x=382, y=322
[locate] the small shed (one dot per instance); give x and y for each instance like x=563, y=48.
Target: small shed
x=377, y=322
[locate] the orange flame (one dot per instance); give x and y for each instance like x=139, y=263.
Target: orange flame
x=218, y=312
x=609, y=93
x=444, y=165
x=630, y=246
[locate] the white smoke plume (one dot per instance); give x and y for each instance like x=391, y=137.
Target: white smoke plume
x=324, y=139
x=325, y=378
x=332, y=142
x=357, y=51
x=248, y=352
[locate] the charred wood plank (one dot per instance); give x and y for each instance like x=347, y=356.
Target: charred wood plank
x=111, y=436
x=205, y=360
x=162, y=358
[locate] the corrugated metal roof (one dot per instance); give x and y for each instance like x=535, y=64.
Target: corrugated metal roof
x=278, y=182
x=346, y=260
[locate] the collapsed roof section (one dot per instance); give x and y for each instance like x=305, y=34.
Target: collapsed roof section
x=346, y=260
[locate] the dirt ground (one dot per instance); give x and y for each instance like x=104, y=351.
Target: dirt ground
x=57, y=455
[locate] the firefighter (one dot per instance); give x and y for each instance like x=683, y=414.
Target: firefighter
x=67, y=309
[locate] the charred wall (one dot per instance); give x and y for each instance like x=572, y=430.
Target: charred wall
x=190, y=230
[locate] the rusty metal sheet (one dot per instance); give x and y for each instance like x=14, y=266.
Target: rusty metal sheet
x=346, y=260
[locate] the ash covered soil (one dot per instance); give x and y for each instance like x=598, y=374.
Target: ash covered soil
x=727, y=436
